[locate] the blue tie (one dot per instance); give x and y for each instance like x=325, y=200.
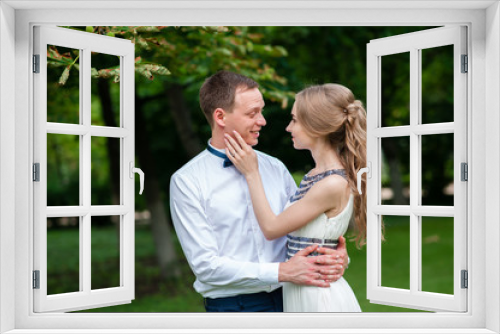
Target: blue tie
x=226, y=162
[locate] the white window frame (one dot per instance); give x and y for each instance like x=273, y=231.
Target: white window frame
x=413, y=44
x=16, y=21
x=85, y=297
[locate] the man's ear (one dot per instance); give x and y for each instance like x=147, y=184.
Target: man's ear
x=219, y=117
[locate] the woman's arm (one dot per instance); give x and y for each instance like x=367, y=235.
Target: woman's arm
x=321, y=198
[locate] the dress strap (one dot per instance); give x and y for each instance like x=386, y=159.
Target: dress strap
x=308, y=181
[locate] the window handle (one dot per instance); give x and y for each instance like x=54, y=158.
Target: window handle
x=141, y=175
x=368, y=171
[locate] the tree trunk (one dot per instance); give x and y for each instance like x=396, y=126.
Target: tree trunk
x=160, y=222
x=113, y=148
x=390, y=147
x=182, y=118
x=112, y=144
x=391, y=154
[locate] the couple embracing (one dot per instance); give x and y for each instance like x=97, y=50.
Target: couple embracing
x=255, y=241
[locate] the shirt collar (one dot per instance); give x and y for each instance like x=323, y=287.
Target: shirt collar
x=221, y=154
x=221, y=151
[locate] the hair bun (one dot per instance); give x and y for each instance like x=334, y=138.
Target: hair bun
x=354, y=106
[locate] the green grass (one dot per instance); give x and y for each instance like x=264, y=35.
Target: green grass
x=437, y=260
x=154, y=294
x=62, y=260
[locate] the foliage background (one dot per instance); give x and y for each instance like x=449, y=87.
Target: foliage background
x=171, y=65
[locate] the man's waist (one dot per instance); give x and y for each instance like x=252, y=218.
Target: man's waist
x=208, y=291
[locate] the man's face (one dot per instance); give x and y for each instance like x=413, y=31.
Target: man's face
x=246, y=117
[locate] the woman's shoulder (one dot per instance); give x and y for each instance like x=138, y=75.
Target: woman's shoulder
x=332, y=185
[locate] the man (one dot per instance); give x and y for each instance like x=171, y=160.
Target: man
x=236, y=268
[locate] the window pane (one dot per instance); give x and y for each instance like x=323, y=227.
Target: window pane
x=63, y=85
x=437, y=84
x=105, y=171
x=63, y=255
x=437, y=254
x=395, y=171
x=395, y=262
x=63, y=168
x=105, y=252
x=395, y=92
x=105, y=89
x=437, y=169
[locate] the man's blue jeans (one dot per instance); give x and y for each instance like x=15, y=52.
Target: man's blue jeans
x=254, y=302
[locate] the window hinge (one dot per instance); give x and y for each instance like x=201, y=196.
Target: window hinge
x=36, y=63
x=36, y=279
x=465, y=279
x=36, y=172
x=464, y=171
x=465, y=64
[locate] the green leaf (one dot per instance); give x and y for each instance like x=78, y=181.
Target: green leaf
x=147, y=70
x=64, y=76
x=89, y=29
x=224, y=52
x=268, y=50
x=216, y=29
x=55, y=63
x=147, y=29
x=280, y=51
x=249, y=46
x=140, y=41
x=242, y=50
x=109, y=73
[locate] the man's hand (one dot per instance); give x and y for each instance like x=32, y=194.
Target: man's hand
x=316, y=270
x=331, y=273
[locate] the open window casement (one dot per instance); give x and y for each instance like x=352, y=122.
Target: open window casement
x=76, y=129
x=419, y=132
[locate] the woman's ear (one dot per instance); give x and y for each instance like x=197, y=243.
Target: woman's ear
x=219, y=117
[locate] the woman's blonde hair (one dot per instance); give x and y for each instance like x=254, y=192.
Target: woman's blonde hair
x=331, y=111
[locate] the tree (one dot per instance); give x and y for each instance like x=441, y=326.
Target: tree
x=176, y=60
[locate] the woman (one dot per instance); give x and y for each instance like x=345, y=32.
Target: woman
x=330, y=123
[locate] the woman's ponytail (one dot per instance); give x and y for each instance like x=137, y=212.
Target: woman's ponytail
x=331, y=111
x=353, y=156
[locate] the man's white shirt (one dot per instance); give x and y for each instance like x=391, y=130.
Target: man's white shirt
x=214, y=220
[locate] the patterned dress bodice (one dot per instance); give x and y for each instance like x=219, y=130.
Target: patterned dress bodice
x=321, y=230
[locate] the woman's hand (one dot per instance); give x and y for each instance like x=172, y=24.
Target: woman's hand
x=241, y=154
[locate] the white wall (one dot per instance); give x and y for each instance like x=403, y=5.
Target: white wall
x=485, y=153
x=7, y=163
x=492, y=154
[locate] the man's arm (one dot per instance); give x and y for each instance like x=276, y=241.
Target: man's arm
x=199, y=242
x=317, y=270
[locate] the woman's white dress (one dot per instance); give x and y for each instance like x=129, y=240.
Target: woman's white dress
x=339, y=297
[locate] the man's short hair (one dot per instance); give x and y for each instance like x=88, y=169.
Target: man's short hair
x=218, y=91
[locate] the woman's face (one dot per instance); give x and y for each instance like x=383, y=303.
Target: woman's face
x=301, y=139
